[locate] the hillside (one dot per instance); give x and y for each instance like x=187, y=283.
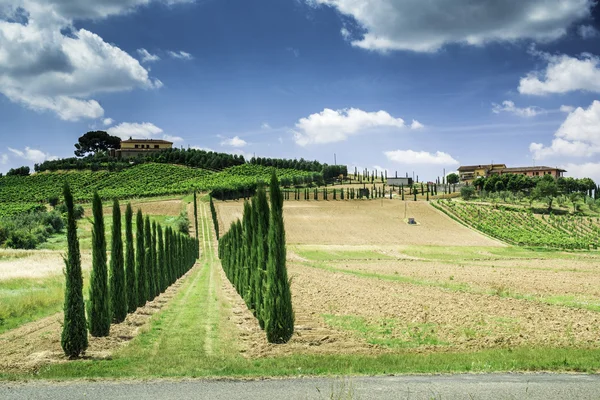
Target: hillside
x=23, y=193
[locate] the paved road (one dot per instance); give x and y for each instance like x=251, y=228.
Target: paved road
x=491, y=386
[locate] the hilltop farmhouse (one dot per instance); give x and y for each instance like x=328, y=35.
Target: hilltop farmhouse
x=468, y=173
x=135, y=147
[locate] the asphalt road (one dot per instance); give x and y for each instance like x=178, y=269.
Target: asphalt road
x=475, y=386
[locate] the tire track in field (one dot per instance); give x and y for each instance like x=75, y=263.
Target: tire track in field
x=212, y=305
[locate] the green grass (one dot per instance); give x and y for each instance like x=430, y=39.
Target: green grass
x=335, y=254
x=26, y=300
x=386, y=332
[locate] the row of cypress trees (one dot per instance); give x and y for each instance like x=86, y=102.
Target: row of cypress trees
x=136, y=276
x=253, y=255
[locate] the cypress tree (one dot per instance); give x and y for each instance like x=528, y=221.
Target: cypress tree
x=140, y=259
x=155, y=266
x=262, y=251
x=148, y=260
x=99, y=305
x=130, y=282
x=248, y=232
x=118, y=293
x=161, y=260
x=278, y=312
x=74, y=340
x=196, y=223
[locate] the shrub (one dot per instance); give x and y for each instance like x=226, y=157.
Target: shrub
x=467, y=192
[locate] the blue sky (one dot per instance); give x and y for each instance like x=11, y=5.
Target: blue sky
x=411, y=85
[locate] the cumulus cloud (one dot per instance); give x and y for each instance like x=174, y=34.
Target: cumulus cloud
x=108, y=121
x=563, y=74
x=33, y=155
x=181, y=55
x=578, y=136
x=587, y=31
x=586, y=170
x=416, y=125
x=420, y=157
x=172, y=138
x=146, y=57
x=144, y=130
x=331, y=126
x=566, y=109
x=265, y=125
x=426, y=26
x=235, y=141
x=48, y=65
x=509, y=107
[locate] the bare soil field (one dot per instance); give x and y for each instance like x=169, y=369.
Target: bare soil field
x=359, y=222
x=523, y=280
x=149, y=207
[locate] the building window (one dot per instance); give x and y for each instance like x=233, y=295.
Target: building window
x=136, y=146
x=147, y=146
x=156, y=146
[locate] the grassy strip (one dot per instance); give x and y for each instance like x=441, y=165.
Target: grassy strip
x=26, y=300
x=337, y=255
x=558, y=300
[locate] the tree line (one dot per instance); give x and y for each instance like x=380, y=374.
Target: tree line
x=137, y=274
x=253, y=255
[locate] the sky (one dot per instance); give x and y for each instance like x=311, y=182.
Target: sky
x=414, y=86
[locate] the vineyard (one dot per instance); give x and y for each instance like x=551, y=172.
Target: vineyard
x=26, y=193
x=523, y=228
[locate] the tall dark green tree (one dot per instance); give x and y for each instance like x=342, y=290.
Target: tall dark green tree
x=99, y=305
x=148, y=260
x=262, y=251
x=278, y=312
x=118, y=292
x=155, y=266
x=130, y=281
x=140, y=261
x=74, y=340
x=161, y=260
x=196, y=224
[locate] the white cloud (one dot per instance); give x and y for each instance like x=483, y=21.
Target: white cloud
x=509, y=107
x=578, y=136
x=586, y=170
x=181, y=55
x=108, y=121
x=566, y=109
x=420, y=157
x=416, y=125
x=146, y=56
x=172, y=138
x=563, y=74
x=265, y=125
x=144, y=130
x=207, y=149
x=587, y=31
x=48, y=65
x=331, y=126
x=234, y=142
x=4, y=159
x=33, y=155
x=426, y=26
x=294, y=51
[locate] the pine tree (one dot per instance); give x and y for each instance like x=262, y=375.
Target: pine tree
x=74, y=340
x=148, y=260
x=130, y=281
x=118, y=292
x=278, y=312
x=99, y=306
x=140, y=260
